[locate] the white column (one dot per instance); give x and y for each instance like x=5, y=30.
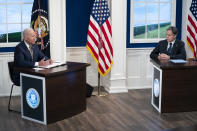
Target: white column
x=57, y=22
x=117, y=80
x=185, y=10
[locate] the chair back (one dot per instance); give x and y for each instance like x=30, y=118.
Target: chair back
x=11, y=70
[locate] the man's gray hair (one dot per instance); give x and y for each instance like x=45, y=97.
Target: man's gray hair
x=26, y=31
x=173, y=29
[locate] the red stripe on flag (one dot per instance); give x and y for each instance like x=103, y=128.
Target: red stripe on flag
x=192, y=46
x=109, y=26
x=92, y=49
x=192, y=28
x=103, y=59
x=110, y=46
x=192, y=34
x=93, y=38
x=106, y=53
x=94, y=27
x=192, y=22
x=107, y=39
x=101, y=69
x=105, y=49
x=99, y=16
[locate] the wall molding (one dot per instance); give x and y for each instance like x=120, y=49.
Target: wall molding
x=138, y=71
x=139, y=68
x=5, y=84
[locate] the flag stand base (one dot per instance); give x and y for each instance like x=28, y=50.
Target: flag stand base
x=99, y=88
x=102, y=92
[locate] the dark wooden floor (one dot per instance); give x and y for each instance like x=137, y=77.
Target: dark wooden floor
x=116, y=112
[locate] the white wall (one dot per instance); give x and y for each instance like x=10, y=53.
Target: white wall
x=57, y=26
x=131, y=69
x=5, y=82
x=138, y=72
x=81, y=54
x=185, y=10
x=73, y=54
x=139, y=68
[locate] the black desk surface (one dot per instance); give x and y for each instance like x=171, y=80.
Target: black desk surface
x=170, y=65
x=187, y=128
x=178, y=92
x=65, y=88
x=68, y=67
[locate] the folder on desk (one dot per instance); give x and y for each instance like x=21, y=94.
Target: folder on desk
x=55, y=64
x=178, y=61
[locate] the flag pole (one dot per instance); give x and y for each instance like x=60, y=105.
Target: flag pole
x=99, y=88
x=100, y=48
x=99, y=92
x=40, y=31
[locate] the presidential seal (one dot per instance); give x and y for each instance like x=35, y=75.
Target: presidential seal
x=40, y=24
x=156, y=87
x=32, y=98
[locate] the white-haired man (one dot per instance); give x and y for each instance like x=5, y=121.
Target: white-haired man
x=27, y=54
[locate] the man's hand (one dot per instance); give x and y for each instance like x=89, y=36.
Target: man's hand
x=163, y=57
x=50, y=61
x=43, y=62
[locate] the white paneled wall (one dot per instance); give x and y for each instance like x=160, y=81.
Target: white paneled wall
x=5, y=82
x=73, y=54
x=185, y=10
x=82, y=55
x=139, y=68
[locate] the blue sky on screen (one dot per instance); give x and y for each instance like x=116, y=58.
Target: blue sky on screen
x=14, y=15
x=13, y=0
x=26, y=9
x=153, y=13
x=14, y=28
x=165, y=0
x=140, y=8
x=18, y=0
x=165, y=12
x=139, y=18
x=28, y=0
x=2, y=14
x=157, y=0
x=24, y=26
x=2, y=28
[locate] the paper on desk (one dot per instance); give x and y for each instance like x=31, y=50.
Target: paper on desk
x=53, y=65
x=178, y=61
x=37, y=68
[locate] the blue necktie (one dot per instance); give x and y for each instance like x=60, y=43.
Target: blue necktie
x=169, y=49
x=31, y=51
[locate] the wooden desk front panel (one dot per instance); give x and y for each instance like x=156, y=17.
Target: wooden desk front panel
x=179, y=90
x=65, y=95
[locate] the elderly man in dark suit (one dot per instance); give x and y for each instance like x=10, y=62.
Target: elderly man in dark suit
x=27, y=54
x=170, y=48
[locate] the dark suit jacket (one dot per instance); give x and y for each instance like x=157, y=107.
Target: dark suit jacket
x=177, y=52
x=22, y=58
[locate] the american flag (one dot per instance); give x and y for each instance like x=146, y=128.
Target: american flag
x=100, y=35
x=192, y=27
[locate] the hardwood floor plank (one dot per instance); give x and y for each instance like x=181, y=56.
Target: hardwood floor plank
x=130, y=111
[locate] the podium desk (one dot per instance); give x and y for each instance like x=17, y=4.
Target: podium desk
x=53, y=94
x=174, y=87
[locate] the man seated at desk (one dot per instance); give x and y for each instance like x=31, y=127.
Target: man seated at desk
x=27, y=54
x=170, y=48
